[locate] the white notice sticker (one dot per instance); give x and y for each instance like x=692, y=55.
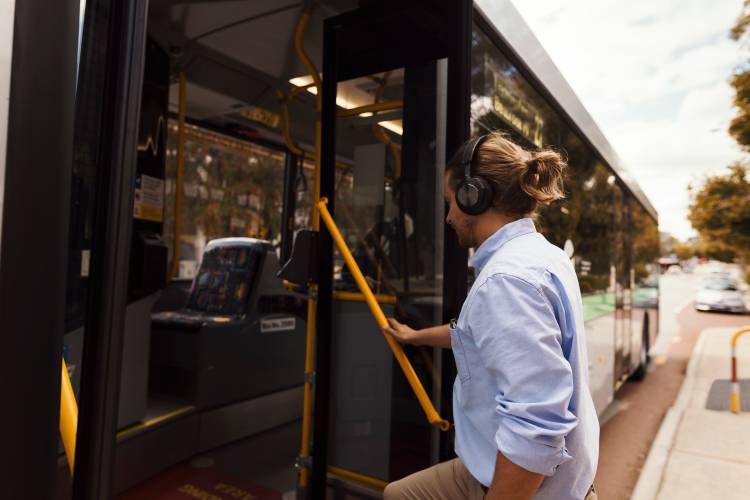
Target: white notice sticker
x=148, y=202
x=278, y=324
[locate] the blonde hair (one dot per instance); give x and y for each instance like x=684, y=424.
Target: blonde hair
x=521, y=179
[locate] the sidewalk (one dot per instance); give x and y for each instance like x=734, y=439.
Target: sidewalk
x=699, y=453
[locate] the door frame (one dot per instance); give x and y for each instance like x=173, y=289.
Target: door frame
x=34, y=205
x=123, y=26
x=398, y=36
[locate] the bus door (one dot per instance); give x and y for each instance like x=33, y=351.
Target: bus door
x=622, y=285
x=395, y=105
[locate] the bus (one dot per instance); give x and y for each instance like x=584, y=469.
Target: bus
x=217, y=340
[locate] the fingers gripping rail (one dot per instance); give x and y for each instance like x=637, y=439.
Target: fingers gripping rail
x=377, y=312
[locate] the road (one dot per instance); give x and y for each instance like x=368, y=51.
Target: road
x=631, y=423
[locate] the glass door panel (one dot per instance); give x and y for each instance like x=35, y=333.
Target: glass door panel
x=389, y=208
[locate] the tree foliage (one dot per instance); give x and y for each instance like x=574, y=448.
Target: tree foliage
x=739, y=127
x=667, y=242
x=720, y=212
x=684, y=251
x=743, y=22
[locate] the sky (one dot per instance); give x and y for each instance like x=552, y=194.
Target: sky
x=655, y=77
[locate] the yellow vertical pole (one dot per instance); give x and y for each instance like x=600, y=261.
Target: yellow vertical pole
x=307, y=404
x=179, y=179
x=68, y=417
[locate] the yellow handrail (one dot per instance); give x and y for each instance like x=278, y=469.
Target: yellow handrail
x=68, y=417
x=370, y=108
x=307, y=398
x=372, y=482
x=358, y=297
x=398, y=352
x=380, y=133
x=734, y=397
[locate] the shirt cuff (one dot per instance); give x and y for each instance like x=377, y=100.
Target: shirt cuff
x=529, y=454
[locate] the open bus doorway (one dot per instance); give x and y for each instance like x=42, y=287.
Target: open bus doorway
x=389, y=209
x=228, y=144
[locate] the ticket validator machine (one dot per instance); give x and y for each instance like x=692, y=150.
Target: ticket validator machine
x=240, y=336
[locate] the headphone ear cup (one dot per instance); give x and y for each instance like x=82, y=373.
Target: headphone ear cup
x=474, y=195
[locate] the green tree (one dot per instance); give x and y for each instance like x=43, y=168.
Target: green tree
x=739, y=127
x=684, y=251
x=668, y=242
x=720, y=212
x=716, y=250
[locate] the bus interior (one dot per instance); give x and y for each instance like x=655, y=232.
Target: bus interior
x=214, y=343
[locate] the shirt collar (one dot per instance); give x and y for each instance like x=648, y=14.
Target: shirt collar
x=499, y=238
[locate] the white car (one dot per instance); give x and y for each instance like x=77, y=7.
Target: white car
x=674, y=269
x=720, y=295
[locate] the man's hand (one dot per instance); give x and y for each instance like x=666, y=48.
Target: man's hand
x=402, y=333
x=437, y=336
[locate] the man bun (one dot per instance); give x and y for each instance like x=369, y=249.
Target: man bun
x=521, y=179
x=542, y=176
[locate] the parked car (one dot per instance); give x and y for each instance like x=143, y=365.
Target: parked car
x=720, y=294
x=720, y=275
x=646, y=294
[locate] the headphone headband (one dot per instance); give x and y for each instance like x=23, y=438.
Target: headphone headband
x=467, y=158
x=473, y=194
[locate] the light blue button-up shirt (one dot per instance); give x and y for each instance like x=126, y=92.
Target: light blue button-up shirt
x=520, y=350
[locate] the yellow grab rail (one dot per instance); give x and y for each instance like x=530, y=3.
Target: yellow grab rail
x=68, y=417
x=734, y=397
x=370, y=481
x=370, y=108
x=398, y=352
x=307, y=401
x=358, y=297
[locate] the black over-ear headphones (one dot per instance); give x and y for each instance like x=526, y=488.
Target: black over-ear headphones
x=474, y=194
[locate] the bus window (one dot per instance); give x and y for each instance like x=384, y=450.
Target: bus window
x=591, y=223
x=231, y=188
x=501, y=98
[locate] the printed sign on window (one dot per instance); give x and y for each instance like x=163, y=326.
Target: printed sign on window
x=149, y=198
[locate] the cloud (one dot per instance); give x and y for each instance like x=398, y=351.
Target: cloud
x=654, y=75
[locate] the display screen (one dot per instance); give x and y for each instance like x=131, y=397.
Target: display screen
x=224, y=280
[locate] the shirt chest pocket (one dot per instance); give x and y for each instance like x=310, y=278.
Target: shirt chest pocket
x=459, y=354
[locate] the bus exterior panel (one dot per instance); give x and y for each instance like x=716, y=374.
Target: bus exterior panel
x=605, y=223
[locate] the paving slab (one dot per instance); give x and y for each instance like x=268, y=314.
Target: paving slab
x=722, y=435
x=694, y=477
x=700, y=453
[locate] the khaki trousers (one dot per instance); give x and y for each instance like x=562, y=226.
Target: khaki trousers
x=449, y=480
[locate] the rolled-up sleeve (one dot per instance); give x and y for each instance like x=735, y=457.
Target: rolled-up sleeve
x=515, y=329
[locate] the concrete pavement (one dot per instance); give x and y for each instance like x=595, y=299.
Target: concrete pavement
x=700, y=453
